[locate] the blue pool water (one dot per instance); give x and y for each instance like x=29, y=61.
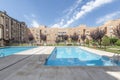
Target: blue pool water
x=74, y=56
x=6, y=51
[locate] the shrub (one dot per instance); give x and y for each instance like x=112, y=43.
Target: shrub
x=118, y=43
x=87, y=42
x=113, y=40
x=94, y=43
x=105, y=41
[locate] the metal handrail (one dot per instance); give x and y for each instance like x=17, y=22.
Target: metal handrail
x=2, y=53
x=116, y=58
x=119, y=57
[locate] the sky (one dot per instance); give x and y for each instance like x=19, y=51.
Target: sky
x=62, y=13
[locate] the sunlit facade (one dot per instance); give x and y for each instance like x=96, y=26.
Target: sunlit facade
x=53, y=33
x=12, y=30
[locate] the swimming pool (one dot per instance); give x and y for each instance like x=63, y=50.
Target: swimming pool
x=6, y=51
x=75, y=56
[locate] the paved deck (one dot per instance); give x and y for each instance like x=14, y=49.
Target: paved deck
x=99, y=52
x=34, y=69
x=9, y=60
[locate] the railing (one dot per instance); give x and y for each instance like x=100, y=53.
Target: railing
x=116, y=58
x=2, y=54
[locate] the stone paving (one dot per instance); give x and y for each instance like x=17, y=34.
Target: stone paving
x=34, y=69
x=102, y=53
x=7, y=61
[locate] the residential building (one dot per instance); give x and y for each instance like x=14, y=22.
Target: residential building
x=53, y=33
x=109, y=26
x=12, y=30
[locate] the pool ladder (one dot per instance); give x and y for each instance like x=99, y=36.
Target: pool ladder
x=2, y=53
x=116, y=58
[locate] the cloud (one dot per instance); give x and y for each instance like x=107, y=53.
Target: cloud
x=55, y=26
x=32, y=20
x=35, y=23
x=88, y=7
x=68, y=12
x=108, y=17
x=85, y=9
x=73, y=7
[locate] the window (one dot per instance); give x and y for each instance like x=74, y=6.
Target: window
x=11, y=22
x=111, y=26
x=6, y=29
x=0, y=33
x=105, y=29
x=87, y=31
x=1, y=20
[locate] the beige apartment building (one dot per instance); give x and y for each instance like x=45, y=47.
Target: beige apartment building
x=109, y=26
x=12, y=30
x=53, y=33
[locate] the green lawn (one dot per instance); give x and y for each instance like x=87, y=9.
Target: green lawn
x=63, y=44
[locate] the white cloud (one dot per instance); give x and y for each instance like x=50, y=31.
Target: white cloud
x=55, y=26
x=32, y=21
x=35, y=23
x=73, y=7
x=68, y=22
x=108, y=17
x=68, y=12
x=88, y=7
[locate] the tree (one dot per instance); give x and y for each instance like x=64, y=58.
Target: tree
x=94, y=43
x=83, y=37
x=61, y=38
x=75, y=37
x=43, y=37
x=31, y=38
x=65, y=37
x=93, y=35
x=116, y=31
x=105, y=41
x=113, y=40
x=118, y=43
x=57, y=40
x=97, y=35
x=87, y=41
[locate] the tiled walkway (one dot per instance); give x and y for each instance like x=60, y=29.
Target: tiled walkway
x=7, y=61
x=102, y=53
